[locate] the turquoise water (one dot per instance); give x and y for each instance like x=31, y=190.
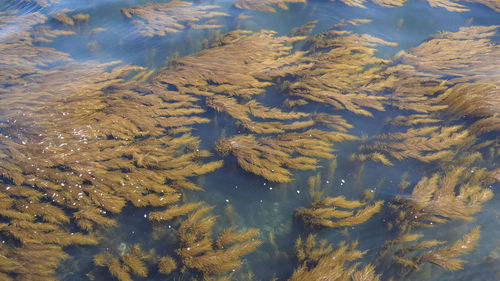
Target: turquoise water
x=255, y=201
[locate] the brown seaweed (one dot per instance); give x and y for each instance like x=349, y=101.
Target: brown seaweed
x=337, y=212
x=407, y=259
x=426, y=144
x=318, y=262
x=229, y=71
x=212, y=257
x=437, y=199
x=122, y=267
x=43, y=3
x=272, y=158
x=341, y=73
x=82, y=145
x=159, y=19
x=264, y=5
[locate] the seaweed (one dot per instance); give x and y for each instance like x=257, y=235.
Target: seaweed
x=264, y=5
x=272, y=158
x=449, y=5
x=303, y=30
x=342, y=69
x=132, y=262
x=454, y=6
x=82, y=145
x=159, y=19
x=383, y=3
x=43, y=3
x=166, y=265
x=212, y=257
x=242, y=113
x=328, y=212
x=407, y=259
x=426, y=144
x=317, y=262
x=228, y=70
x=438, y=199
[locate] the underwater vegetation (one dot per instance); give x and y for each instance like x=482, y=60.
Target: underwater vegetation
x=449, y=5
x=159, y=19
x=328, y=212
x=435, y=200
x=406, y=257
x=323, y=262
x=264, y=6
x=272, y=157
x=122, y=267
x=81, y=141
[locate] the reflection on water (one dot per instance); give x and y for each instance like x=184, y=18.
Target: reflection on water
x=249, y=140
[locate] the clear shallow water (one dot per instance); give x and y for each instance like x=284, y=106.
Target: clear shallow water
x=257, y=202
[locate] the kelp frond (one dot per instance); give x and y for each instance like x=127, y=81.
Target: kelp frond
x=440, y=198
x=383, y=3
x=318, y=262
x=212, y=257
x=272, y=158
x=341, y=72
x=264, y=5
x=328, y=212
x=122, y=267
x=166, y=265
x=410, y=258
x=228, y=70
x=444, y=257
x=243, y=112
x=162, y=18
x=426, y=144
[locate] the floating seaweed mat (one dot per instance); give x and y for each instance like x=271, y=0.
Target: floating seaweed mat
x=449, y=5
x=264, y=5
x=441, y=83
x=159, y=19
x=440, y=55
x=468, y=80
x=342, y=73
x=81, y=146
x=229, y=70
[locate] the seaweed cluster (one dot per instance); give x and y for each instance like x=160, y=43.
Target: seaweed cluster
x=336, y=212
x=91, y=138
x=199, y=253
x=449, y=5
x=437, y=199
x=407, y=257
x=264, y=6
x=159, y=19
x=322, y=262
x=76, y=151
